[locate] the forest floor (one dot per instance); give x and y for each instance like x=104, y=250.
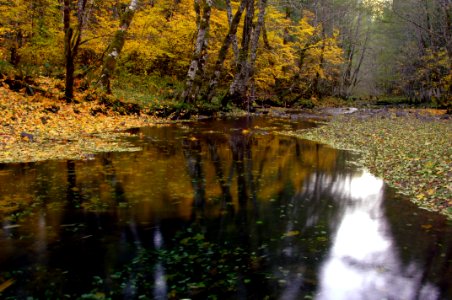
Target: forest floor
x=411, y=149
x=36, y=128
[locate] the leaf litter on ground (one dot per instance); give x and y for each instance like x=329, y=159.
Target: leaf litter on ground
x=36, y=128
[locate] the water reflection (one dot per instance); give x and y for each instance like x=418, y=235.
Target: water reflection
x=369, y=269
x=252, y=213
x=160, y=286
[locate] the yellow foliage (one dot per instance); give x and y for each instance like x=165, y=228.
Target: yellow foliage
x=435, y=75
x=161, y=39
x=163, y=32
x=31, y=29
x=297, y=49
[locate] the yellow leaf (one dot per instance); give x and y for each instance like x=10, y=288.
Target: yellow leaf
x=6, y=285
x=292, y=233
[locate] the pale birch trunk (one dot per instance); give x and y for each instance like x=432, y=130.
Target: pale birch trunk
x=115, y=47
x=229, y=39
x=254, y=45
x=235, y=45
x=196, y=68
x=242, y=89
x=238, y=87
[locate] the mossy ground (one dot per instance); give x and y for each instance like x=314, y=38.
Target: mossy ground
x=410, y=151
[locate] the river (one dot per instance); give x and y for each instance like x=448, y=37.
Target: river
x=216, y=210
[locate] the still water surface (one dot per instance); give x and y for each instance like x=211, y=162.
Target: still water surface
x=216, y=210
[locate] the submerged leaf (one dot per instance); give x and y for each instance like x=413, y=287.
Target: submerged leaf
x=291, y=233
x=6, y=285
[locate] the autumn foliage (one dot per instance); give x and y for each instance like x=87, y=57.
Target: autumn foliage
x=304, y=50
x=39, y=128
x=160, y=41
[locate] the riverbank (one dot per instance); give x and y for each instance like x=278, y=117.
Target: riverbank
x=36, y=128
x=410, y=149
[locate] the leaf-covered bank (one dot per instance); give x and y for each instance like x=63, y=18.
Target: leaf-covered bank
x=38, y=128
x=410, y=152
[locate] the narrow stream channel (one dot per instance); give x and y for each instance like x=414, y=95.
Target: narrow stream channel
x=216, y=210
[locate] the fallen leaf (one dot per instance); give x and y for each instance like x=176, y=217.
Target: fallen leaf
x=6, y=284
x=291, y=233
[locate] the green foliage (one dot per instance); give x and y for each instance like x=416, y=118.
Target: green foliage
x=305, y=103
x=146, y=91
x=393, y=100
x=210, y=267
x=432, y=80
x=416, y=65
x=6, y=68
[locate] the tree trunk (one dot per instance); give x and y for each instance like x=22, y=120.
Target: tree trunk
x=196, y=68
x=68, y=32
x=355, y=75
x=115, y=47
x=297, y=76
x=14, y=50
x=347, y=81
x=72, y=40
x=238, y=88
x=316, y=83
x=254, y=46
x=228, y=40
x=235, y=46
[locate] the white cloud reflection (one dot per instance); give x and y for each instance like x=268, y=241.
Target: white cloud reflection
x=362, y=262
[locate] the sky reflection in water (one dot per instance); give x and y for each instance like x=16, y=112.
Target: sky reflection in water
x=362, y=262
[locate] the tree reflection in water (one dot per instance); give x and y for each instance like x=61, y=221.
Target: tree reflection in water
x=225, y=209
x=160, y=286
